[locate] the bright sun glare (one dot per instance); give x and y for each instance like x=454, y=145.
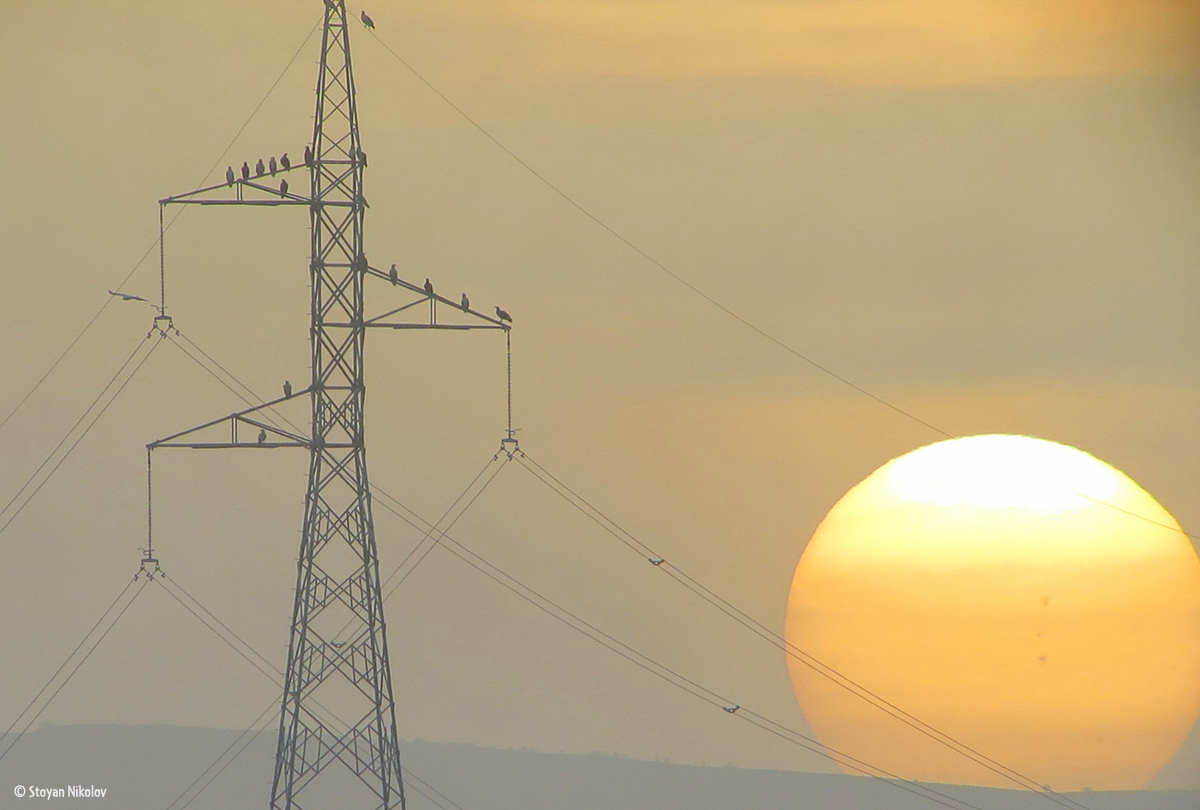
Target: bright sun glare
x=1000, y=471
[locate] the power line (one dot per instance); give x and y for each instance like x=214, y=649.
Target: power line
x=791, y=650
x=266, y=413
x=671, y=676
x=78, y=421
x=645, y=662
x=20, y=734
x=647, y=256
x=433, y=528
x=597, y=635
x=67, y=660
x=258, y=724
x=697, y=290
x=13, y=516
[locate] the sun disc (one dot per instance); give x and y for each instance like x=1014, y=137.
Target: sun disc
x=1021, y=595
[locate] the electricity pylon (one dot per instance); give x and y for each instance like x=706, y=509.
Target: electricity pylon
x=337, y=705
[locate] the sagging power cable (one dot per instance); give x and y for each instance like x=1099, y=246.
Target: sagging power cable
x=99, y=412
x=787, y=347
x=78, y=664
x=264, y=667
x=777, y=640
x=673, y=677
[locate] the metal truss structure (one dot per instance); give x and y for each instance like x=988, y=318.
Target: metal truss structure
x=337, y=707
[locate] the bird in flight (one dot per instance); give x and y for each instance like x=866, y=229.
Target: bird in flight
x=229, y=176
x=428, y=287
x=502, y=315
x=127, y=296
x=466, y=302
x=656, y=560
x=287, y=388
x=392, y=277
x=285, y=162
x=731, y=709
x=367, y=21
x=262, y=437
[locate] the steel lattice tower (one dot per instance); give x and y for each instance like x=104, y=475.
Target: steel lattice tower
x=337, y=705
x=337, y=512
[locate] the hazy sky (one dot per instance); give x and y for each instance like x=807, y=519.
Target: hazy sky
x=987, y=213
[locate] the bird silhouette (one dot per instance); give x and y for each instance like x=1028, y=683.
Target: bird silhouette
x=127, y=296
x=392, y=273
x=502, y=315
x=259, y=168
x=272, y=165
x=656, y=560
x=245, y=170
x=428, y=287
x=308, y=156
x=731, y=709
x=283, y=187
x=229, y=176
x=262, y=436
x=287, y=388
x=285, y=162
x=367, y=21
x=466, y=302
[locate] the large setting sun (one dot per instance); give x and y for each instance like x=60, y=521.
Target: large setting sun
x=1020, y=595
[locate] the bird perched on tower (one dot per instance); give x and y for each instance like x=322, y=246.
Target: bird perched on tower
x=262, y=436
x=285, y=162
x=367, y=21
x=287, y=388
x=392, y=276
x=308, y=156
x=259, y=168
x=245, y=170
x=283, y=187
x=229, y=176
x=466, y=302
x=272, y=165
x=502, y=315
x=428, y=287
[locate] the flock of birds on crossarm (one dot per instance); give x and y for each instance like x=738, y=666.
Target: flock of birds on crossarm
x=273, y=166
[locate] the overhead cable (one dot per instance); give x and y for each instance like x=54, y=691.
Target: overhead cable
x=96, y=418
x=777, y=640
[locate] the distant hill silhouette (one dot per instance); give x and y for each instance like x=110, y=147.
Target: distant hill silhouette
x=147, y=767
